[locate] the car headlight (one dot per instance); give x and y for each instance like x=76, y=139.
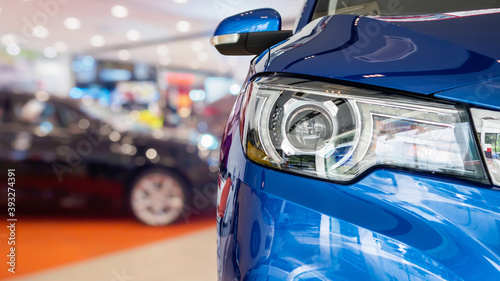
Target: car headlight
x=487, y=124
x=337, y=132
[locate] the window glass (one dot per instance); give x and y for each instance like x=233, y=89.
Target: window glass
x=2, y=110
x=398, y=7
x=35, y=112
x=68, y=116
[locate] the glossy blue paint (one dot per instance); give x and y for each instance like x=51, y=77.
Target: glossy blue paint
x=252, y=21
x=388, y=226
x=405, y=57
x=484, y=93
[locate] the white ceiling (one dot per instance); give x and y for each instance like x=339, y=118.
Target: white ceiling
x=155, y=20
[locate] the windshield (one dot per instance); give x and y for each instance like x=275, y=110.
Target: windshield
x=398, y=7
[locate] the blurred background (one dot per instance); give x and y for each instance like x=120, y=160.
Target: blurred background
x=111, y=115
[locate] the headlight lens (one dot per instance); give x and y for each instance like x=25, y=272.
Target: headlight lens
x=487, y=124
x=337, y=132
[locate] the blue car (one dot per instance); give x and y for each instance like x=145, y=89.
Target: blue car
x=364, y=143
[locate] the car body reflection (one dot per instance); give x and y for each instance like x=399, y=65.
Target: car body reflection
x=455, y=223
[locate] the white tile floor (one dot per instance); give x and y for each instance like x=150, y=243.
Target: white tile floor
x=188, y=258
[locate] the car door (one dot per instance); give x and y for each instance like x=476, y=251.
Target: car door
x=31, y=135
x=87, y=165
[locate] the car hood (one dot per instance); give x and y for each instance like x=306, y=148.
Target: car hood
x=424, y=55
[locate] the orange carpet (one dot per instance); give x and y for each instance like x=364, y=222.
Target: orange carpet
x=47, y=243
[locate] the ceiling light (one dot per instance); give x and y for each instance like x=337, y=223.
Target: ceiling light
x=196, y=46
x=165, y=60
x=72, y=23
x=50, y=52
x=0, y=9
x=202, y=56
x=13, y=49
x=183, y=26
x=60, y=46
x=123, y=55
x=162, y=50
x=181, y=1
x=97, y=41
x=133, y=35
x=40, y=31
x=9, y=39
x=119, y=11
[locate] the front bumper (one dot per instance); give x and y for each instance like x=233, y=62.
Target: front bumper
x=390, y=225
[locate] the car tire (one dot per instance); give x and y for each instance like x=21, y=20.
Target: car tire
x=157, y=197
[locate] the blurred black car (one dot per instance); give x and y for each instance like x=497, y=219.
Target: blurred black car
x=63, y=156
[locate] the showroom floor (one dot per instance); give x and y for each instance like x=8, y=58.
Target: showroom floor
x=114, y=249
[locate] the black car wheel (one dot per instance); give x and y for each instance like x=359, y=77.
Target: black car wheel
x=157, y=197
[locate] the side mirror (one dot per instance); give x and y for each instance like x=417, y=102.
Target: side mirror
x=249, y=33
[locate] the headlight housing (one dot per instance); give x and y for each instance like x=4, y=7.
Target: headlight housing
x=337, y=132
